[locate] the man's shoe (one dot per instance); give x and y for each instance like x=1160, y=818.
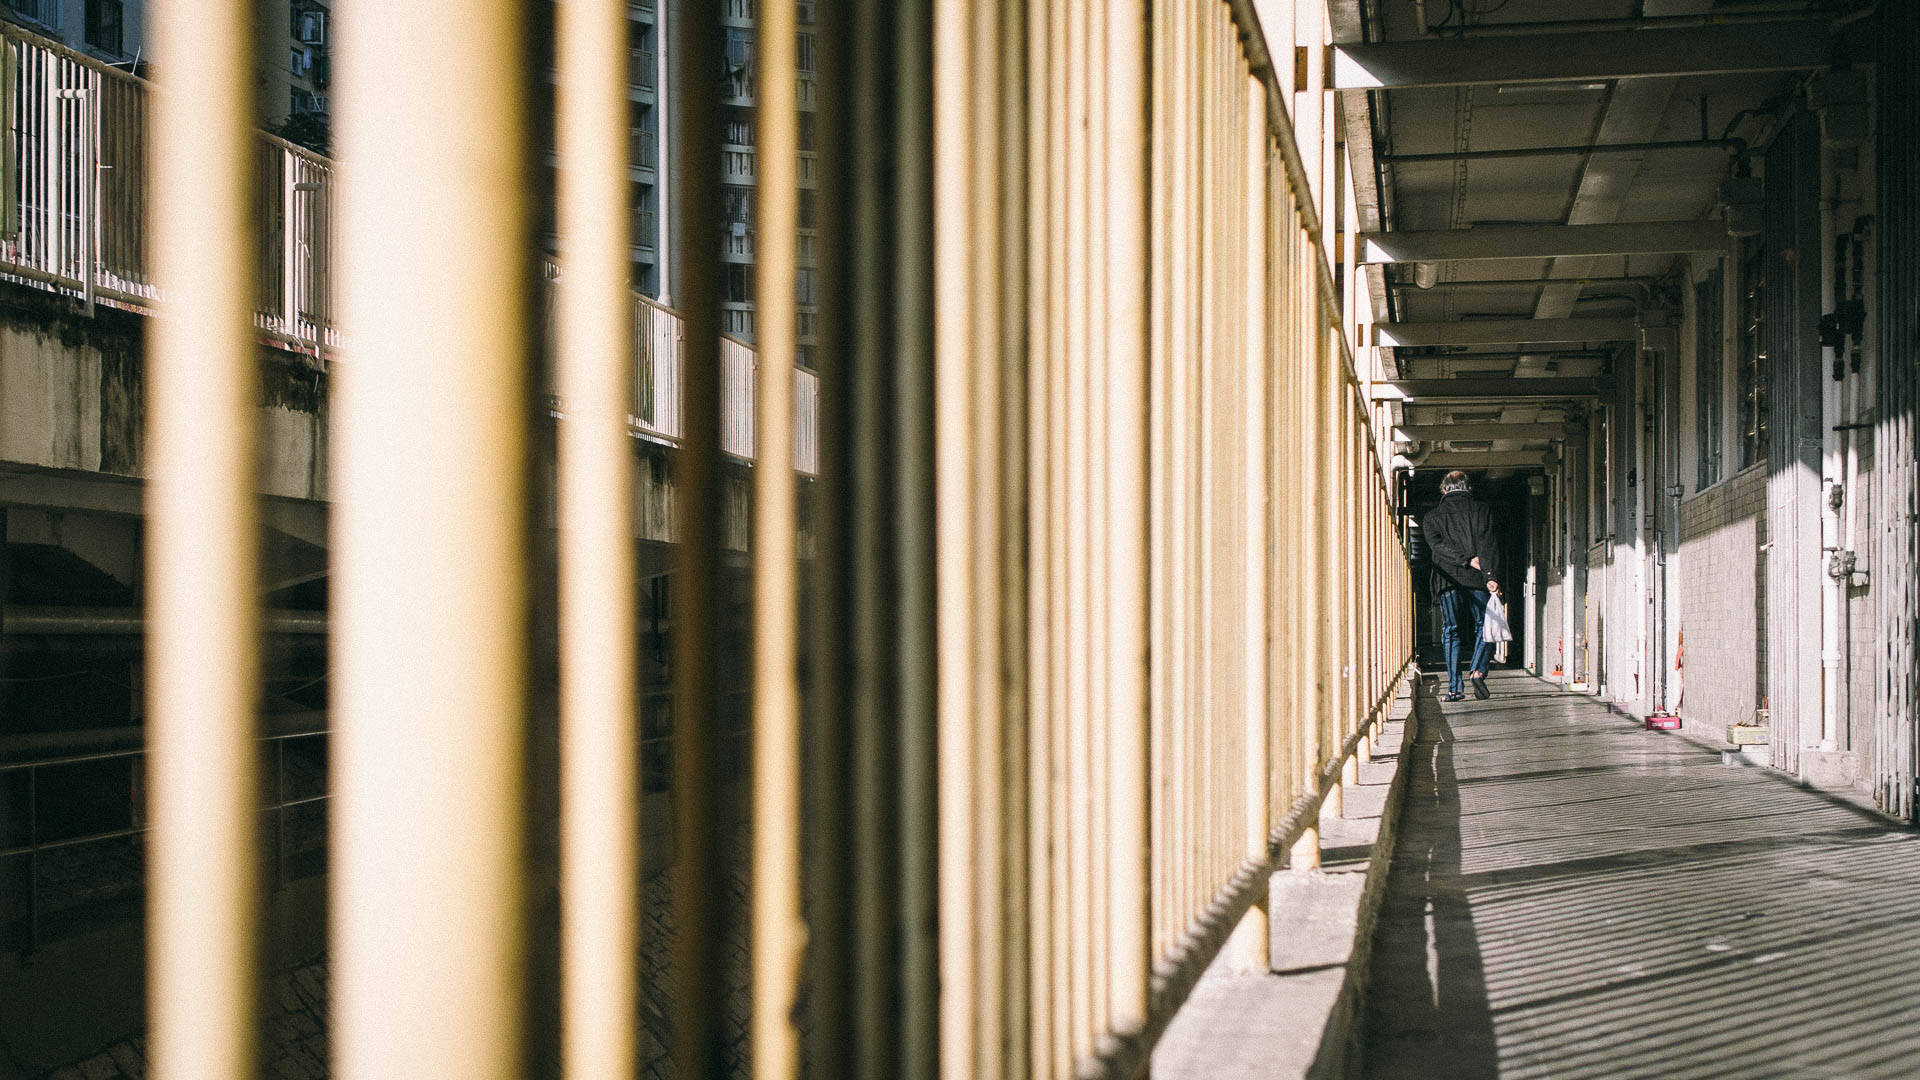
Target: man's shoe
x=1479, y=686
x=1453, y=695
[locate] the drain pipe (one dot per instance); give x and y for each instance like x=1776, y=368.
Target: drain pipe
x=1833, y=485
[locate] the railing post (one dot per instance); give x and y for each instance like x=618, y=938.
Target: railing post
x=778, y=932
x=203, y=678
x=599, y=718
x=1256, y=385
x=1313, y=699
x=431, y=444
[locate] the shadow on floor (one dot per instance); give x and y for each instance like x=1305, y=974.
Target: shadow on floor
x=1428, y=975
x=1576, y=898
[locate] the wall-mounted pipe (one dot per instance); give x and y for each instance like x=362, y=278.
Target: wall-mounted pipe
x=1738, y=146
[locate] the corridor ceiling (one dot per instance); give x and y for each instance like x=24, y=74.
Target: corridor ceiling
x=1442, y=82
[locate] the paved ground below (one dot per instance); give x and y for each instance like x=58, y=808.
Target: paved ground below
x=1574, y=897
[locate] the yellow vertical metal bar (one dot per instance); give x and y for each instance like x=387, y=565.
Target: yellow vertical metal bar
x=1176, y=586
x=1353, y=579
x=1125, y=253
x=955, y=425
x=1191, y=492
x=430, y=554
x=1333, y=504
x=1336, y=509
x=1312, y=652
x=1043, y=930
x=1161, y=265
x=778, y=934
x=1256, y=707
x=1204, y=451
x=1079, y=631
x=983, y=252
x=1099, y=481
x=1280, y=514
x=1068, y=991
x=203, y=672
x=599, y=789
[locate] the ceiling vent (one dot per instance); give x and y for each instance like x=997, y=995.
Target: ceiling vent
x=1487, y=417
x=1471, y=444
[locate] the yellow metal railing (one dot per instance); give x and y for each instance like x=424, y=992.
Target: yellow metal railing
x=1107, y=590
x=1214, y=607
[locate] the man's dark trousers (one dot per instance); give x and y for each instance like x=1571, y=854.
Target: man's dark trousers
x=1463, y=612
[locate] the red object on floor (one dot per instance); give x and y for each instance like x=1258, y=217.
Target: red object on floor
x=1663, y=721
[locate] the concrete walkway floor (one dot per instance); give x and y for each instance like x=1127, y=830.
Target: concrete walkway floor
x=1574, y=897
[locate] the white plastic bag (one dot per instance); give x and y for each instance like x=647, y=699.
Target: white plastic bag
x=1495, y=628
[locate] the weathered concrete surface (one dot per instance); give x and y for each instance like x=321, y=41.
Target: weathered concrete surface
x=1575, y=897
x=1295, y=1021
x=73, y=398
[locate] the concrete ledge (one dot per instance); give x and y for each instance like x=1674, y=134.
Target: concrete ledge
x=1300, y=1021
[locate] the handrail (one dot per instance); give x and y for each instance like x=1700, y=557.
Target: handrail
x=278, y=804
x=76, y=129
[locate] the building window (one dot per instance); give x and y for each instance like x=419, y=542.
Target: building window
x=803, y=286
x=739, y=126
x=804, y=49
x=809, y=208
x=1749, y=375
x=807, y=132
x=45, y=12
x=739, y=284
x=1709, y=362
x=739, y=201
x=105, y=22
x=739, y=47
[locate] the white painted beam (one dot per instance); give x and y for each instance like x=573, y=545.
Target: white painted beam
x=1488, y=459
x=1542, y=241
x=1502, y=331
x=1495, y=430
x=1580, y=57
x=1532, y=389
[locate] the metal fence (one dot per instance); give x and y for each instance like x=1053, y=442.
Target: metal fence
x=71, y=851
x=74, y=193
x=1106, y=595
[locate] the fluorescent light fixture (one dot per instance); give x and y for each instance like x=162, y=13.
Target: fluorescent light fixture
x=1550, y=88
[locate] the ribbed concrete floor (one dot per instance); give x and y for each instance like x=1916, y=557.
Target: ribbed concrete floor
x=1573, y=897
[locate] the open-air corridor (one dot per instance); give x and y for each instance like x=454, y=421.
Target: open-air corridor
x=1572, y=896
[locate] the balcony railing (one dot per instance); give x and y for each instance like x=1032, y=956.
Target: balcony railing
x=73, y=214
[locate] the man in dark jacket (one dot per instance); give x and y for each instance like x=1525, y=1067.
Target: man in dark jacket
x=1460, y=533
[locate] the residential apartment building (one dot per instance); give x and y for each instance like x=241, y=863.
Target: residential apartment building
x=110, y=30
x=647, y=89
x=296, y=63
x=739, y=171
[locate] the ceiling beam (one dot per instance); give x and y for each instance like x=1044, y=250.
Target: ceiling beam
x=1502, y=331
x=1542, y=241
x=1484, y=430
x=1508, y=389
x=1582, y=57
x=1487, y=459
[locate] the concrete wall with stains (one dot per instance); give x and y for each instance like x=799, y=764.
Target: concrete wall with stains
x=73, y=397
